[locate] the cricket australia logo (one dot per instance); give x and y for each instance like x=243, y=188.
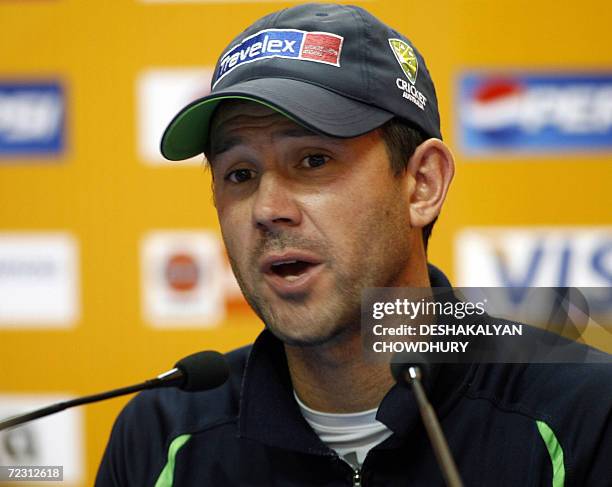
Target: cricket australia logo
x=406, y=58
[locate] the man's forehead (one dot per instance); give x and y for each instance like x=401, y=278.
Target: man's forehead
x=235, y=119
x=233, y=114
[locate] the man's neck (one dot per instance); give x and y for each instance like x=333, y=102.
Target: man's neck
x=337, y=379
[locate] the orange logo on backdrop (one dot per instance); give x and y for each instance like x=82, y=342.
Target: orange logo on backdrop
x=182, y=272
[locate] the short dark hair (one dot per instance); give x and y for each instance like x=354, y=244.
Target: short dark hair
x=401, y=140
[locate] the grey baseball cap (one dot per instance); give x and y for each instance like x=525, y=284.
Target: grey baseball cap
x=335, y=69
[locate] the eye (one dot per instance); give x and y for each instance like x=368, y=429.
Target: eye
x=314, y=160
x=240, y=176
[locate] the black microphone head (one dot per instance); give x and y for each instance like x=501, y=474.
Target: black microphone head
x=402, y=361
x=203, y=371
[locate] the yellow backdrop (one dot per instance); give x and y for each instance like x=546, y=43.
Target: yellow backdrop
x=101, y=191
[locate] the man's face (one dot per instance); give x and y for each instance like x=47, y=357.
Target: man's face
x=308, y=220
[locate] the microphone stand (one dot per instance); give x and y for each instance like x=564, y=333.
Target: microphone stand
x=434, y=431
x=168, y=379
x=199, y=371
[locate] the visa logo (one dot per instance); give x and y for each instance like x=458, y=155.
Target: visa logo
x=543, y=257
x=546, y=112
x=31, y=118
x=516, y=260
x=323, y=47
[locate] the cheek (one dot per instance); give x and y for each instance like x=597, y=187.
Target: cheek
x=234, y=229
x=381, y=224
x=360, y=225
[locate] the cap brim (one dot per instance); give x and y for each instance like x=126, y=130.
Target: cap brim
x=312, y=106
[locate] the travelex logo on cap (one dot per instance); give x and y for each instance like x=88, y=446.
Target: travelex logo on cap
x=406, y=57
x=320, y=47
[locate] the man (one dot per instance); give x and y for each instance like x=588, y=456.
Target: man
x=323, y=137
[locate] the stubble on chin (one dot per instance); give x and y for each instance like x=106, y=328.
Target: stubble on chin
x=302, y=321
x=322, y=321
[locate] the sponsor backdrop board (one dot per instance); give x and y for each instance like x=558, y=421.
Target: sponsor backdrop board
x=39, y=283
x=31, y=118
x=548, y=113
x=119, y=251
x=55, y=440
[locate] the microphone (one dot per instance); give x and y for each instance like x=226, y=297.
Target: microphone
x=411, y=368
x=197, y=372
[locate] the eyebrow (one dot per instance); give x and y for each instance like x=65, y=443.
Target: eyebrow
x=223, y=144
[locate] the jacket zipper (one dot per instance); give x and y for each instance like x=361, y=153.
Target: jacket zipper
x=356, y=478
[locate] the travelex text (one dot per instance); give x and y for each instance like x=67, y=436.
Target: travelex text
x=320, y=47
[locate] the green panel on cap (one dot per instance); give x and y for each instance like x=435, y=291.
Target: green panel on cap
x=187, y=134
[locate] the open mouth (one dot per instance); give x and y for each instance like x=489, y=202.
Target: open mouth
x=292, y=273
x=291, y=270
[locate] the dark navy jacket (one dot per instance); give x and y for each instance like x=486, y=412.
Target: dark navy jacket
x=506, y=425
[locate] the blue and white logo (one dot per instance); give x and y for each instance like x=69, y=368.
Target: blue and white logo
x=518, y=259
x=32, y=118
x=534, y=257
x=321, y=47
x=553, y=112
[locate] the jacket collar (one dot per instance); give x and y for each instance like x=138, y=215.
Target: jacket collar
x=269, y=413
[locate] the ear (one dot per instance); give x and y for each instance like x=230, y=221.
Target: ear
x=432, y=166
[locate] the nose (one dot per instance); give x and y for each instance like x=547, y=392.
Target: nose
x=275, y=203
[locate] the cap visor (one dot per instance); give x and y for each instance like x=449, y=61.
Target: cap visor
x=316, y=108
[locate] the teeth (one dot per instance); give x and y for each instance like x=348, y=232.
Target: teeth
x=284, y=262
x=292, y=278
